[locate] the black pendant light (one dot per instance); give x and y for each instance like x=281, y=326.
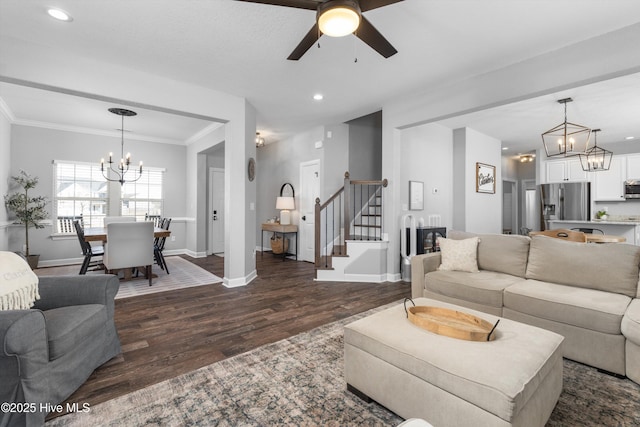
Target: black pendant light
x=121, y=168
x=567, y=139
x=596, y=159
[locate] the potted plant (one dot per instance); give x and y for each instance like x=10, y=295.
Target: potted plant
x=29, y=210
x=602, y=214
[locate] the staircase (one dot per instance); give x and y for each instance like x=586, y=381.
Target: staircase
x=349, y=234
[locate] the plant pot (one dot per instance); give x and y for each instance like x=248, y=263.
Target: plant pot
x=33, y=261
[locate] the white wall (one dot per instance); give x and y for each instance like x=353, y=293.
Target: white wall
x=482, y=211
x=365, y=147
x=5, y=162
x=427, y=156
x=280, y=162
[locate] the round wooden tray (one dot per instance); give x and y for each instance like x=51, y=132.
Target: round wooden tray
x=452, y=323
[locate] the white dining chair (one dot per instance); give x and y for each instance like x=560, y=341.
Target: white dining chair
x=111, y=219
x=129, y=246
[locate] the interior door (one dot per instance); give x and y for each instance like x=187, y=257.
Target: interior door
x=216, y=211
x=309, y=191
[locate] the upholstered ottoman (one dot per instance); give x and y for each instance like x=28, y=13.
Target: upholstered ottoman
x=631, y=330
x=515, y=379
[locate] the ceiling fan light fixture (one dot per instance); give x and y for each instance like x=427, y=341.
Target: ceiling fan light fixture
x=338, y=18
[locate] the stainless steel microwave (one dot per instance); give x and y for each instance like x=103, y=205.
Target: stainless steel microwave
x=632, y=189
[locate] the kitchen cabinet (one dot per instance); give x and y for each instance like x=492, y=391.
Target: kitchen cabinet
x=633, y=166
x=609, y=185
x=566, y=170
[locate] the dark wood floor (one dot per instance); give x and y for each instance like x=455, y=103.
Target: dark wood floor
x=167, y=334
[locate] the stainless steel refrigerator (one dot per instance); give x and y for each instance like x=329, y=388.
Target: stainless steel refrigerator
x=569, y=201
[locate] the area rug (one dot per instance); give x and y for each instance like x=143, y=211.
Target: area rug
x=183, y=274
x=300, y=382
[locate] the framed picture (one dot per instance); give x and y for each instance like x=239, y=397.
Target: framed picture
x=485, y=178
x=416, y=196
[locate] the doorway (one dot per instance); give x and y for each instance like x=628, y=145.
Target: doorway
x=509, y=207
x=216, y=212
x=531, y=202
x=309, y=191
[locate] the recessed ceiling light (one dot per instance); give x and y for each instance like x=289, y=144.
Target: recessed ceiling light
x=60, y=15
x=318, y=97
x=630, y=137
x=505, y=148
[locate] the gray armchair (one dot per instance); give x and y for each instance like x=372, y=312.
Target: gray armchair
x=49, y=351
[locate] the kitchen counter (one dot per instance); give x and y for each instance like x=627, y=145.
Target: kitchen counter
x=600, y=221
x=630, y=229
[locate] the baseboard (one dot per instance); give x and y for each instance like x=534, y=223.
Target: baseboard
x=193, y=254
x=241, y=281
x=394, y=277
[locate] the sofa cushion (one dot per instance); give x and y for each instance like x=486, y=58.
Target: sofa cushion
x=503, y=253
x=459, y=255
x=484, y=287
x=631, y=322
x=585, y=308
x=68, y=326
x=609, y=267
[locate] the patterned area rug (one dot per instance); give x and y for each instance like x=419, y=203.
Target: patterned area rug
x=300, y=382
x=183, y=274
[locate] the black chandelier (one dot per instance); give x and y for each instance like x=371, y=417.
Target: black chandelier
x=567, y=139
x=596, y=159
x=123, y=166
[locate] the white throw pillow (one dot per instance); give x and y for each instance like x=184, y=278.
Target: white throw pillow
x=459, y=255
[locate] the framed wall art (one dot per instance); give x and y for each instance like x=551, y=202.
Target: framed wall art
x=416, y=196
x=485, y=178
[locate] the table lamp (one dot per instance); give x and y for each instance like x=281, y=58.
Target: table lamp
x=285, y=204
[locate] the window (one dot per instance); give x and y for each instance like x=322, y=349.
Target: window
x=144, y=196
x=80, y=192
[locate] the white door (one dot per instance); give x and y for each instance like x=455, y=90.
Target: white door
x=309, y=191
x=216, y=211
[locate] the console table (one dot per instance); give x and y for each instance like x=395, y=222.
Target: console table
x=283, y=230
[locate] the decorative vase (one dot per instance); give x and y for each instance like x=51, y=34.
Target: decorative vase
x=33, y=261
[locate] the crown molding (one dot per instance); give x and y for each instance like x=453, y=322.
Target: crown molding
x=204, y=132
x=6, y=111
x=91, y=131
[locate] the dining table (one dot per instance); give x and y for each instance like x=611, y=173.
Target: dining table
x=99, y=234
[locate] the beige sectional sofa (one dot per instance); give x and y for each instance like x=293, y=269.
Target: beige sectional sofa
x=586, y=292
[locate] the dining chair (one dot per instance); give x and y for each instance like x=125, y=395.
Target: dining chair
x=156, y=219
x=88, y=251
x=589, y=230
x=111, y=219
x=158, y=245
x=562, y=233
x=127, y=248
x=65, y=223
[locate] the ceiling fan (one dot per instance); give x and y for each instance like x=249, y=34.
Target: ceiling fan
x=338, y=18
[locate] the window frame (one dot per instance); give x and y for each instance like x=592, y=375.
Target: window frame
x=140, y=216
x=94, y=167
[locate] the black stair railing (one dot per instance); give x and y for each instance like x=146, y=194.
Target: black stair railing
x=354, y=212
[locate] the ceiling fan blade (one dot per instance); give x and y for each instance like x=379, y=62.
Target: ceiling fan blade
x=312, y=36
x=374, y=4
x=368, y=34
x=300, y=4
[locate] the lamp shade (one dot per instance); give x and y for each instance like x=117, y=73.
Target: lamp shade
x=286, y=203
